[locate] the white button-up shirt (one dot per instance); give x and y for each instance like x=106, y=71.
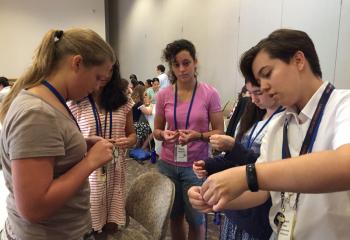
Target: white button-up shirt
x=319, y=216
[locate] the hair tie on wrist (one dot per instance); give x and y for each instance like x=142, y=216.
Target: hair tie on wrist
x=58, y=35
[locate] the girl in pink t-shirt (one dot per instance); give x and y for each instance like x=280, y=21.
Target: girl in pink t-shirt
x=188, y=107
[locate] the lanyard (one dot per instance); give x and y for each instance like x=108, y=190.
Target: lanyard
x=61, y=99
x=251, y=140
x=98, y=120
x=189, y=108
x=310, y=136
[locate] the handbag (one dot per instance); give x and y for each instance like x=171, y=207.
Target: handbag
x=140, y=154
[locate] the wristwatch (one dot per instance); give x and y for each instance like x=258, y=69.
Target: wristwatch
x=252, y=179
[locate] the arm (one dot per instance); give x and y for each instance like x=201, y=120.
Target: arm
x=320, y=172
x=163, y=135
x=216, y=164
x=245, y=201
x=217, y=124
x=146, y=110
x=238, y=156
x=130, y=139
x=38, y=195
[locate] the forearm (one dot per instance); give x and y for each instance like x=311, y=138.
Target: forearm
x=248, y=200
x=158, y=134
x=320, y=172
x=239, y=155
x=131, y=139
x=59, y=192
x=216, y=164
x=206, y=135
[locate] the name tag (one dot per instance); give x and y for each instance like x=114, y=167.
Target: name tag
x=101, y=174
x=180, y=153
x=285, y=231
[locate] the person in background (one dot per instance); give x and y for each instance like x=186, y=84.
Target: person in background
x=151, y=92
x=46, y=160
x=141, y=83
x=4, y=87
x=304, y=162
x=141, y=124
x=187, y=107
x=162, y=77
x=148, y=83
x=133, y=80
x=107, y=113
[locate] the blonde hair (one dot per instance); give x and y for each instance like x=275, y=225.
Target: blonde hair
x=56, y=45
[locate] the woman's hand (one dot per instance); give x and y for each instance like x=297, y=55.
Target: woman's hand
x=199, y=169
x=187, y=136
x=170, y=136
x=100, y=153
x=123, y=142
x=222, y=143
x=222, y=187
x=196, y=200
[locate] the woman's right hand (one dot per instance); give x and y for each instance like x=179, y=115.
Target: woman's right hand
x=170, y=136
x=100, y=153
x=199, y=169
x=197, y=201
x=222, y=143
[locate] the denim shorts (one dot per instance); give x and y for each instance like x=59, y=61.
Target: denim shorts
x=183, y=178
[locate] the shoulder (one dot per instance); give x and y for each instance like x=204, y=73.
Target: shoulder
x=26, y=103
x=206, y=88
x=208, y=92
x=167, y=91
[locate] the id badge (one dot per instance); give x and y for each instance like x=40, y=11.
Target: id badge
x=285, y=232
x=102, y=174
x=180, y=153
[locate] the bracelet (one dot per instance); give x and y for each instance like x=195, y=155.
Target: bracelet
x=252, y=179
x=202, y=137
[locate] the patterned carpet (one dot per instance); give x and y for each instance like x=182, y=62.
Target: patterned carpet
x=136, y=169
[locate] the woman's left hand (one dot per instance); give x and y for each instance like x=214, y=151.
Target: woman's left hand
x=122, y=142
x=187, y=136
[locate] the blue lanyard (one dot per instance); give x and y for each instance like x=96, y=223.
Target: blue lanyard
x=311, y=133
x=189, y=108
x=98, y=120
x=61, y=99
x=251, y=140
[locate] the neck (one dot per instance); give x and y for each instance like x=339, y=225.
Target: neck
x=311, y=86
x=270, y=111
x=58, y=83
x=186, y=86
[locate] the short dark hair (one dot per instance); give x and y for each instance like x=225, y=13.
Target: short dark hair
x=173, y=48
x=155, y=80
x=149, y=81
x=4, y=81
x=282, y=44
x=133, y=76
x=161, y=68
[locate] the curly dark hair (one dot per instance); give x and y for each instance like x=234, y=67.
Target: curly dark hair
x=172, y=49
x=113, y=95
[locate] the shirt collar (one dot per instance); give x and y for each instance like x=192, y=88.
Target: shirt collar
x=308, y=111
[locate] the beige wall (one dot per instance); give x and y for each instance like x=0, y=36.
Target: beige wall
x=222, y=30
x=23, y=24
